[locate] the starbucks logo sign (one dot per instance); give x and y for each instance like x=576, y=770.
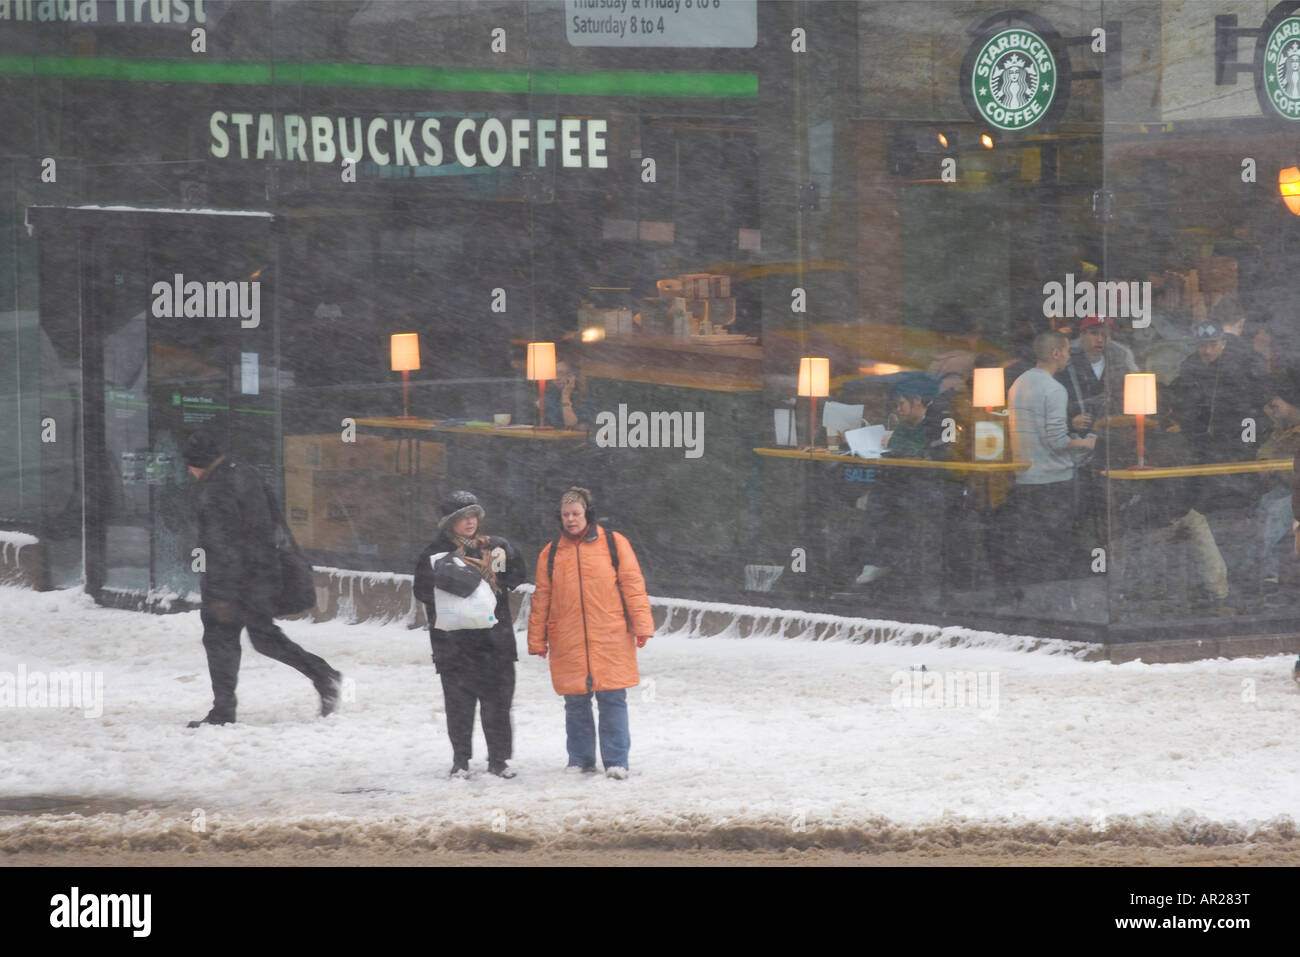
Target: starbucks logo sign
x=1013, y=79
x=1282, y=68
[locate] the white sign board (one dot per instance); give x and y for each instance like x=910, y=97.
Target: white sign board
x=661, y=23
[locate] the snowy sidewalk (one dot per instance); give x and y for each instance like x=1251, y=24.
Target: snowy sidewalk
x=786, y=738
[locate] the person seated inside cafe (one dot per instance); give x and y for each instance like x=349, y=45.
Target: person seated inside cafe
x=905, y=507
x=567, y=403
x=1273, y=514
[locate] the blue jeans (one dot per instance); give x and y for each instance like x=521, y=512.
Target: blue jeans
x=1274, y=516
x=581, y=734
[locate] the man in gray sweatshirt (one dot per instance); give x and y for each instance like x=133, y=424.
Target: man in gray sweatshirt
x=1043, y=505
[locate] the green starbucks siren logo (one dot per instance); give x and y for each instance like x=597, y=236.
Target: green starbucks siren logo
x=1282, y=68
x=1014, y=79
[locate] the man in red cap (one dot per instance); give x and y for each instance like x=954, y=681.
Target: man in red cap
x=1094, y=377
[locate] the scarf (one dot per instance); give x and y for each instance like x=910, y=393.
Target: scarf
x=477, y=554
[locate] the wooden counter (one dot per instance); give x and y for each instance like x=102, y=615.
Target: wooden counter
x=489, y=431
x=821, y=455
x=680, y=363
x=1191, y=471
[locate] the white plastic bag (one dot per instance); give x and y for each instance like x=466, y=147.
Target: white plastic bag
x=453, y=613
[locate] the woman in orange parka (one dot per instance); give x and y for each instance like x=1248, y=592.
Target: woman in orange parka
x=588, y=603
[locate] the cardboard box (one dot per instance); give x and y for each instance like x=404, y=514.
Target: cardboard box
x=329, y=452
x=353, y=510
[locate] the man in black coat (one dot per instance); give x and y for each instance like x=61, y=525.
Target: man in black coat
x=1217, y=387
x=477, y=665
x=241, y=578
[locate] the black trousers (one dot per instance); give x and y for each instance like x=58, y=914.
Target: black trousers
x=486, y=680
x=1042, y=533
x=221, y=642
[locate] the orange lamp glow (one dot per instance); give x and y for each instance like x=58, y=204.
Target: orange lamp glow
x=990, y=388
x=814, y=377
x=1288, y=184
x=405, y=351
x=541, y=360
x=814, y=381
x=1140, y=400
x=541, y=366
x=1140, y=393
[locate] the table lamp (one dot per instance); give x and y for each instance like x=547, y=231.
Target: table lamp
x=404, y=350
x=990, y=388
x=541, y=366
x=989, y=441
x=814, y=381
x=1140, y=400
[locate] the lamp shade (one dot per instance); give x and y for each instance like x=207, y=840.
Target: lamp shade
x=405, y=352
x=814, y=377
x=990, y=388
x=1140, y=393
x=541, y=360
x=1288, y=184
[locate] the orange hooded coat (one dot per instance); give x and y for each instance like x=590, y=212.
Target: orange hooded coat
x=578, y=615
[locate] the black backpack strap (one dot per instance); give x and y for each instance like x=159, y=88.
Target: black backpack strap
x=613, y=549
x=613, y=559
x=550, y=578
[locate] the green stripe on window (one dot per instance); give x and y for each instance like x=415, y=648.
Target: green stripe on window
x=633, y=83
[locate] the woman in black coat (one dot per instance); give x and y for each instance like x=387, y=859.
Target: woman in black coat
x=477, y=665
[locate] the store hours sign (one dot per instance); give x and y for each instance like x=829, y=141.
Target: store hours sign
x=661, y=23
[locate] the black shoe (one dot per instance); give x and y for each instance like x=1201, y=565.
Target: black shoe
x=500, y=770
x=459, y=771
x=330, y=692
x=211, y=718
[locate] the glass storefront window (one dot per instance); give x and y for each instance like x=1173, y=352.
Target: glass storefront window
x=920, y=194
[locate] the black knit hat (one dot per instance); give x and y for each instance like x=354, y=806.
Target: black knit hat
x=456, y=506
x=201, y=450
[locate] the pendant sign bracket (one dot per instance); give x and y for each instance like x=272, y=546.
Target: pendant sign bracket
x=1226, y=35
x=1112, y=71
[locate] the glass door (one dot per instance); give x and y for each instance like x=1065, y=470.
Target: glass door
x=179, y=337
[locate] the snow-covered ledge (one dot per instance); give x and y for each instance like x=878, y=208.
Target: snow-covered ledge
x=357, y=596
x=22, y=560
